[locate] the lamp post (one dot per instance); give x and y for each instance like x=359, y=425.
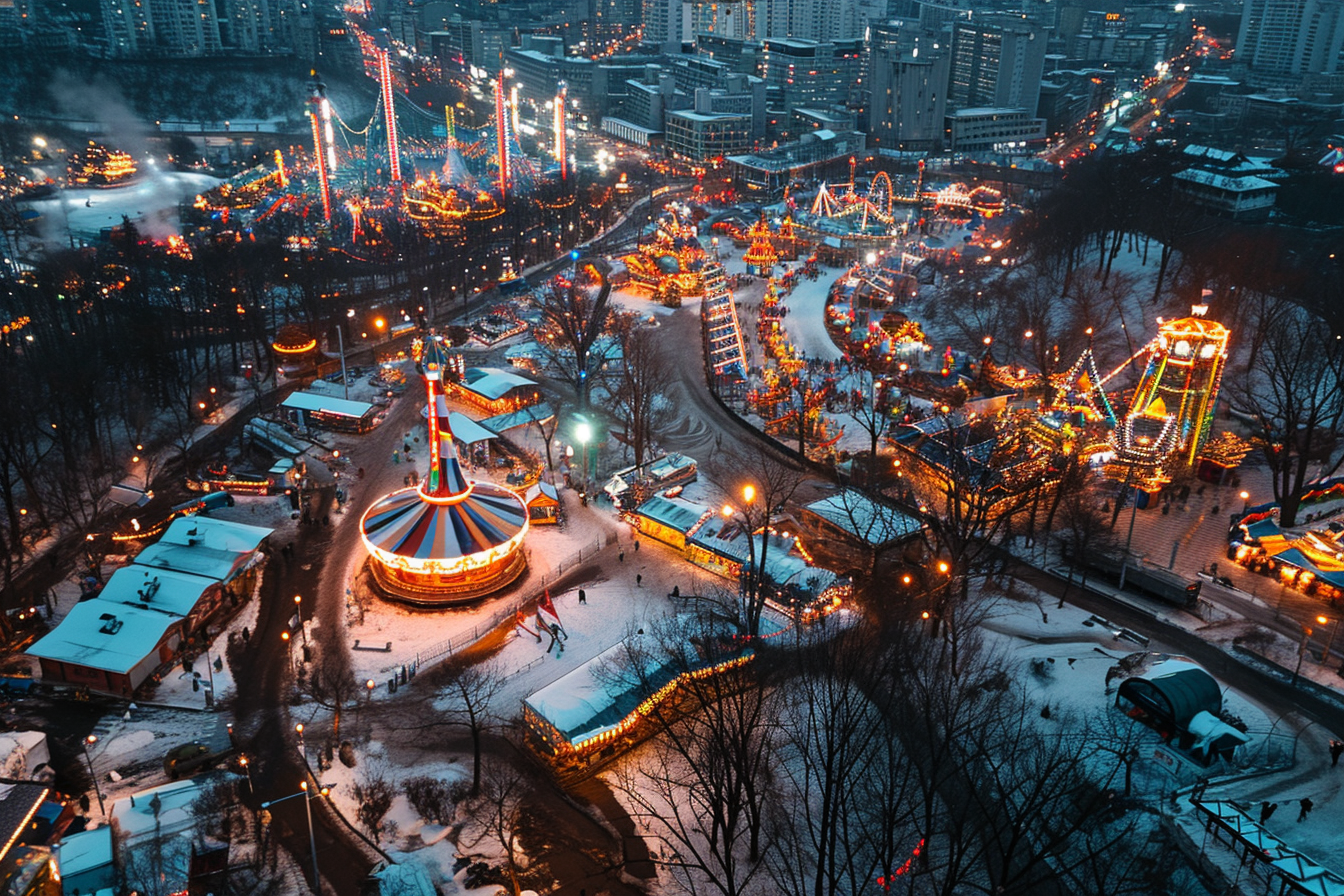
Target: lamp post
x=85, y=744
x=308, y=809
x=1330, y=639
x=340, y=341
x=583, y=432
x=247, y=770
x=1245, y=502
x=293, y=666
x=298, y=611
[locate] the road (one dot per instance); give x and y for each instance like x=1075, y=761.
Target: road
x=318, y=569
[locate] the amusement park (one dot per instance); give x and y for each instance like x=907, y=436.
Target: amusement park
x=443, y=491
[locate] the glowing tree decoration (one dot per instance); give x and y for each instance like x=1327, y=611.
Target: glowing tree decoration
x=561, y=143
x=450, y=539
x=451, y=123
x=760, y=257
x=1173, y=405
x=281, y=175
x=317, y=101
x=389, y=114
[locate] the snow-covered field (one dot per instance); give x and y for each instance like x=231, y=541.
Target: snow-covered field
x=151, y=202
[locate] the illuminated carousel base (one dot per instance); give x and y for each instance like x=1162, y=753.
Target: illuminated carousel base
x=431, y=592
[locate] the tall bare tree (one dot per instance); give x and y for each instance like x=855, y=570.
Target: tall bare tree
x=758, y=486
x=575, y=313
x=637, y=394
x=1295, y=396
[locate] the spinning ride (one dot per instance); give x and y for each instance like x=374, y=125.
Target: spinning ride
x=451, y=539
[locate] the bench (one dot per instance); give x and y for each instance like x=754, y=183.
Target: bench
x=386, y=648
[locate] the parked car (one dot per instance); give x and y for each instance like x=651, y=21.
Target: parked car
x=187, y=758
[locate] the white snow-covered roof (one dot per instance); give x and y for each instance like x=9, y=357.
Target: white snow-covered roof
x=327, y=404
x=406, y=878
x=204, y=546
x=675, y=513
x=541, y=493
x=160, y=589
x=493, y=382
x=867, y=520
x=1207, y=728
x=1225, y=183
x=467, y=430
x=135, y=816
x=105, y=635
x=596, y=696
x=84, y=852
x=21, y=752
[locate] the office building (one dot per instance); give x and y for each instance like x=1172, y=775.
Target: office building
x=993, y=130
x=996, y=62
x=908, y=99
x=698, y=136
x=1291, y=37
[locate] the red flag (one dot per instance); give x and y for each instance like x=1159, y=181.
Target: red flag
x=545, y=605
x=521, y=622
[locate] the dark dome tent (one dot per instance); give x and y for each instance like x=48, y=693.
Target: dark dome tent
x=1170, y=696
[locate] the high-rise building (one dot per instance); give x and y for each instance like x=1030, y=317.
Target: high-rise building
x=1291, y=37
x=268, y=26
x=204, y=27
x=996, y=61
x=185, y=27
x=665, y=23
x=908, y=98
x=128, y=26
x=17, y=21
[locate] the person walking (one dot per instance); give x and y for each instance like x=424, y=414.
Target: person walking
x=639, y=580
x=1266, y=810
x=1336, y=748
x=621, y=555
x=583, y=596
x=1306, y=804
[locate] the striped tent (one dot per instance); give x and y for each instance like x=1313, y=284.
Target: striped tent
x=404, y=524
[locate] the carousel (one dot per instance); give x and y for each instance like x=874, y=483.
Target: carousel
x=450, y=539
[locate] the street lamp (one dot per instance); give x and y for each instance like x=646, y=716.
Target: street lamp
x=307, y=805
x=1246, y=502
x=583, y=432
x=247, y=770
x=85, y=744
x=298, y=611
x=1330, y=640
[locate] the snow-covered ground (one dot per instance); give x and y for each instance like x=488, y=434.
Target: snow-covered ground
x=151, y=202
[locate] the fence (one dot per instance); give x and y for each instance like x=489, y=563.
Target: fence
x=435, y=653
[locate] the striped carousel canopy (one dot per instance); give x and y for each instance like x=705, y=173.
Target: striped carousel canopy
x=406, y=525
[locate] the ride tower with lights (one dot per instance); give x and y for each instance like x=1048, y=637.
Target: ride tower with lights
x=324, y=140
x=387, y=95
x=1171, y=413
x=450, y=539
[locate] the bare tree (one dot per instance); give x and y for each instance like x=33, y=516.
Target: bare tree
x=762, y=484
x=639, y=389
x=575, y=314
x=1294, y=395
x=842, y=796
x=374, y=794
x=330, y=682
x=703, y=783
x=468, y=695
x=498, y=811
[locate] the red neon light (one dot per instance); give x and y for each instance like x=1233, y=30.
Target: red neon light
x=389, y=115
x=321, y=167
x=502, y=138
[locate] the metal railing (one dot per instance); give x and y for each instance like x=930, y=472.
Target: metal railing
x=534, y=585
